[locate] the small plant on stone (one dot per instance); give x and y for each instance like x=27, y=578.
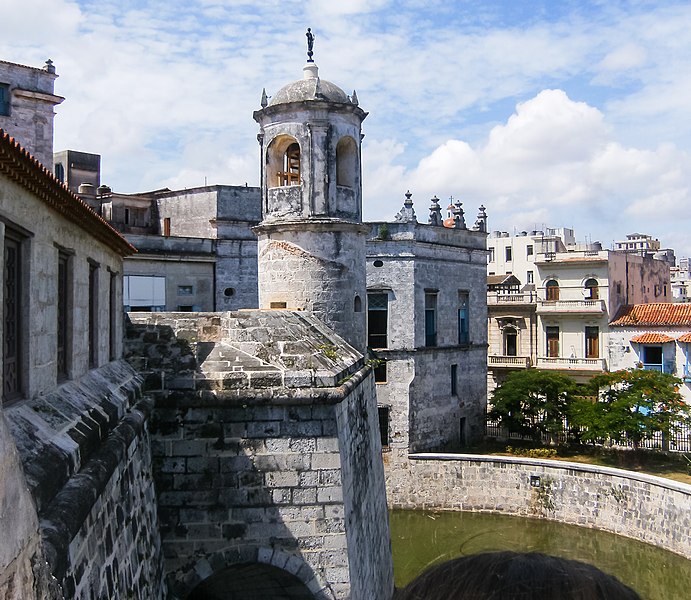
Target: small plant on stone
x=329, y=350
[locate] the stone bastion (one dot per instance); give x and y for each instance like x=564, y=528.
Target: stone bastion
x=643, y=507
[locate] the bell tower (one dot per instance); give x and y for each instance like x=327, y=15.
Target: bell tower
x=311, y=237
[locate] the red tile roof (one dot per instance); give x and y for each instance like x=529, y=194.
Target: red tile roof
x=684, y=338
x=652, y=338
x=22, y=168
x=655, y=314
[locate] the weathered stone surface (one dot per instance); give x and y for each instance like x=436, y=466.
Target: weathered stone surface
x=644, y=507
x=291, y=475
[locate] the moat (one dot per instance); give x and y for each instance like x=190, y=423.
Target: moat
x=423, y=537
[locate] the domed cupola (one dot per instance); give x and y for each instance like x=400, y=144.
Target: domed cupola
x=311, y=238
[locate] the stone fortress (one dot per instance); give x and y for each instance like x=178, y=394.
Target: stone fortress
x=232, y=436
x=236, y=452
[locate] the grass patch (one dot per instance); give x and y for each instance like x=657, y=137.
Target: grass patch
x=671, y=465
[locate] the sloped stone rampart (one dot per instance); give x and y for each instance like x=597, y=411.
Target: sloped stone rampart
x=86, y=456
x=266, y=449
x=644, y=507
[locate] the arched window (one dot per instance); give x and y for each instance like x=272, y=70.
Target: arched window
x=357, y=304
x=552, y=289
x=291, y=166
x=283, y=162
x=346, y=162
x=592, y=289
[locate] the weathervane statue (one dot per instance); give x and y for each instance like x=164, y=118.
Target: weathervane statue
x=310, y=44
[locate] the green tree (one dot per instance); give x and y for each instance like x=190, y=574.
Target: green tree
x=533, y=402
x=634, y=403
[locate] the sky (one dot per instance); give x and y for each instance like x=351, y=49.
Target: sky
x=569, y=113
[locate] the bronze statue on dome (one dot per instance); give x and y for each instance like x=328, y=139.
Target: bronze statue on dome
x=310, y=44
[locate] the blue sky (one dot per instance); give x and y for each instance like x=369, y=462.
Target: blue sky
x=550, y=113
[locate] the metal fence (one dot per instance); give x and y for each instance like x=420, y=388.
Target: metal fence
x=679, y=441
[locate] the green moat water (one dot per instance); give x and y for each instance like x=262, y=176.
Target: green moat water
x=422, y=537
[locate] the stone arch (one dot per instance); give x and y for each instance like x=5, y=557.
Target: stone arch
x=273, y=566
x=346, y=162
x=283, y=162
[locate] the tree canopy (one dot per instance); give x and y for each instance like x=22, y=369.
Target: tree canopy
x=533, y=402
x=634, y=404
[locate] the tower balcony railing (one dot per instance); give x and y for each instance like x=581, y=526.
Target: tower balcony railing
x=499, y=361
x=285, y=200
x=575, y=364
x=553, y=307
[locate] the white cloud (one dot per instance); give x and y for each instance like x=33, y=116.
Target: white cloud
x=165, y=92
x=554, y=163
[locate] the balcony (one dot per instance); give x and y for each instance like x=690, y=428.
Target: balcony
x=508, y=362
x=572, y=364
x=570, y=307
x=500, y=299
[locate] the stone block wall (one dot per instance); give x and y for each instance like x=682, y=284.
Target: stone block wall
x=647, y=508
x=364, y=494
x=265, y=449
x=86, y=458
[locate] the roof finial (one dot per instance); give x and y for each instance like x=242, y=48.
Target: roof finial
x=265, y=99
x=310, y=45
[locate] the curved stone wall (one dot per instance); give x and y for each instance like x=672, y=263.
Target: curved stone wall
x=644, y=507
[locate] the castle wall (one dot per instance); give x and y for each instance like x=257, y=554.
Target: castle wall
x=85, y=454
x=23, y=573
x=263, y=452
x=43, y=235
x=644, y=507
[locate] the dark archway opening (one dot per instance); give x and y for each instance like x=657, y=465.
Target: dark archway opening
x=254, y=581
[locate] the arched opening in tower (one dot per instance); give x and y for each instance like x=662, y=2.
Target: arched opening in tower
x=253, y=581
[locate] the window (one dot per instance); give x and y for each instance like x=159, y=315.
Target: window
x=4, y=99
x=529, y=277
x=142, y=293
x=377, y=319
x=509, y=253
x=166, y=227
x=383, y=412
x=185, y=290
x=510, y=342
x=357, y=304
x=529, y=250
x=463, y=321
x=185, y=308
x=430, y=318
x=63, y=324
x=59, y=172
x=12, y=318
x=552, y=289
x=652, y=357
x=553, y=342
x=591, y=289
x=127, y=216
x=491, y=254
x=454, y=380
x=93, y=315
x=380, y=371
x=592, y=342
x=290, y=175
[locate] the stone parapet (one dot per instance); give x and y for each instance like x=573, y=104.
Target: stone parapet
x=644, y=507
